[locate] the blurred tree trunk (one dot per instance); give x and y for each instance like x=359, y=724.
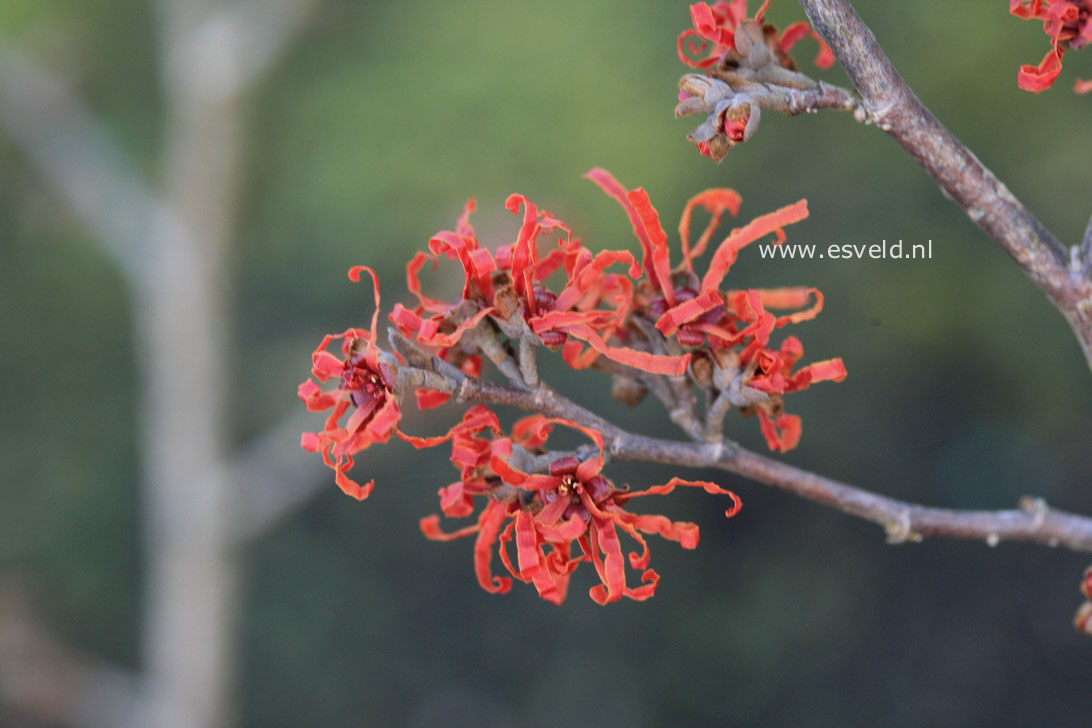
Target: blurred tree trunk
x=173, y=240
x=192, y=568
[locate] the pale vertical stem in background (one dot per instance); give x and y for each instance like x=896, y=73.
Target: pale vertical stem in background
x=211, y=55
x=192, y=571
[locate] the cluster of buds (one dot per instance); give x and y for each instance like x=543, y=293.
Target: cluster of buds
x=1069, y=25
x=747, y=67
x=651, y=326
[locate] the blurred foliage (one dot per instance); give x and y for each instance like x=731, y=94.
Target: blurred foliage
x=966, y=388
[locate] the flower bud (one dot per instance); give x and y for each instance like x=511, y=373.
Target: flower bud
x=627, y=390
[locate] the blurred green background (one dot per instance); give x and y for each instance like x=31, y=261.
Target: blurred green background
x=966, y=388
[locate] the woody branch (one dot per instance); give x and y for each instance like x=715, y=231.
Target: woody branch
x=1033, y=521
x=1064, y=276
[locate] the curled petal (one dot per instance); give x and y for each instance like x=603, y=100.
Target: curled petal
x=354, y=276
x=637, y=560
x=782, y=432
x=551, y=513
x=591, y=274
x=536, y=429
x=505, y=539
x=349, y=486
x=650, y=579
x=564, y=320
x=1027, y=8
x=427, y=331
x=830, y=370
x=314, y=398
x=709, y=26
x=531, y=431
x=477, y=418
x=687, y=311
x=684, y=533
x=552, y=262
x=383, y=422
x=654, y=364
x=762, y=11
x=489, y=526
x=430, y=527
x=590, y=467
x=478, y=265
x=430, y=398
x=659, y=272
x=576, y=356
x=692, y=46
x=455, y=501
x=567, y=531
x=413, y=281
x=728, y=250
x=462, y=226
x=606, y=182
x=715, y=202
x=325, y=365
x=1039, y=78
x=341, y=464
x=797, y=32
x=524, y=252
x=532, y=561
x=708, y=487
x=791, y=351
x=500, y=460
x=611, y=568
x=783, y=298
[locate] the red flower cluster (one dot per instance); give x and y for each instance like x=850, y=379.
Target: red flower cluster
x=547, y=289
x=711, y=41
x=1069, y=25
x=510, y=286
x=559, y=519
x=726, y=332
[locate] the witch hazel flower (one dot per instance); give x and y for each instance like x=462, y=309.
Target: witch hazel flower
x=1069, y=25
x=727, y=333
x=364, y=405
x=509, y=289
x=363, y=396
x=568, y=515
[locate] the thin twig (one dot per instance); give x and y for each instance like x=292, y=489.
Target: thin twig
x=528, y=365
x=484, y=337
x=714, y=416
x=683, y=409
x=1034, y=521
x=890, y=103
